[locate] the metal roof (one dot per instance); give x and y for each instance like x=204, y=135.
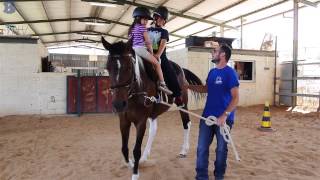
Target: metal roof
x=61, y=22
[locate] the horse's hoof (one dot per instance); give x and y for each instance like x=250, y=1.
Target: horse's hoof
x=130, y=164
x=135, y=177
x=182, y=156
x=183, y=153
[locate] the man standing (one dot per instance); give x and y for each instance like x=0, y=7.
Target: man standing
x=222, y=87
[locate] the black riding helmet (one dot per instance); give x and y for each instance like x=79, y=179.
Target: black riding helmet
x=141, y=12
x=162, y=12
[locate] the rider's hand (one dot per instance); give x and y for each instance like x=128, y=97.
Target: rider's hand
x=156, y=56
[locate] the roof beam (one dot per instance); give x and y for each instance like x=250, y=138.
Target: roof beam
x=23, y=17
x=29, y=0
x=73, y=19
x=80, y=32
x=277, y=14
x=64, y=19
x=45, y=11
x=68, y=11
x=188, y=8
x=256, y=11
x=171, y=12
x=211, y=14
x=244, y=15
x=258, y=20
x=75, y=46
x=308, y=3
x=118, y=19
x=94, y=12
x=12, y=30
x=71, y=40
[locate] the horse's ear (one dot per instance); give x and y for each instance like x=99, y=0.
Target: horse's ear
x=105, y=43
x=129, y=43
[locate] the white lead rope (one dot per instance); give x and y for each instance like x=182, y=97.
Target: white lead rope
x=211, y=120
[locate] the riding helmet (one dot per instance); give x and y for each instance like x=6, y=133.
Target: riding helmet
x=162, y=12
x=141, y=12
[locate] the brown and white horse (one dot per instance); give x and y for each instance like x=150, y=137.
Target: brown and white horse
x=130, y=92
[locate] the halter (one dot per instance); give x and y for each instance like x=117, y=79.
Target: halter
x=130, y=80
x=128, y=84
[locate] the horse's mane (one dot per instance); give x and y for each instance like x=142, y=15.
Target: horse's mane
x=121, y=47
x=118, y=47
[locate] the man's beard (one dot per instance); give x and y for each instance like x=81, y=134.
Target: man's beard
x=215, y=60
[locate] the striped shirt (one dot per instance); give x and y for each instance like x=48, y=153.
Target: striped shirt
x=137, y=35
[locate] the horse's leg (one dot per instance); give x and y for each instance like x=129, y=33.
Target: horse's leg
x=186, y=125
x=141, y=128
x=125, y=131
x=153, y=125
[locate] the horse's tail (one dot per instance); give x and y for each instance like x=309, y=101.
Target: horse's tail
x=193, y=79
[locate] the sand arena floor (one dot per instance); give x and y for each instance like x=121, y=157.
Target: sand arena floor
x=88, y=148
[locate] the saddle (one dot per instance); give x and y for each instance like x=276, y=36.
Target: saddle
x=141, y=64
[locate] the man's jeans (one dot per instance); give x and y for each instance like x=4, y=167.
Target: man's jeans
x=206, y=134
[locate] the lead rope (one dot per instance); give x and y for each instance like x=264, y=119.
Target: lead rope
x=211, y=120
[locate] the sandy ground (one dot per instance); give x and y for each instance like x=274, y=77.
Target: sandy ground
x=68, y=147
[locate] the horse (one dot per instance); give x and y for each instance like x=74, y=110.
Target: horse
x=131, y=92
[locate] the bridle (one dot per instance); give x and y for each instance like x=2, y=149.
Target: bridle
x=130, y=82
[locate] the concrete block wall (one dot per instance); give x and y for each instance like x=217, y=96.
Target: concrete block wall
x=255, y=92
x=179, y=56
x=261, y=89
x=19, y=58
x=37, y=93
x=196, y=62
x=42, y=50
x=23, y=90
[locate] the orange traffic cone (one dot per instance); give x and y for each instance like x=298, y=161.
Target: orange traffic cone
x=266, y=119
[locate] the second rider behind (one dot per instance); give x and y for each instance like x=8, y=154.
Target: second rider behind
x=159, y=38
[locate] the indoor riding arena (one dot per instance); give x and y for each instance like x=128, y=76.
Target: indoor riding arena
x=79, y=101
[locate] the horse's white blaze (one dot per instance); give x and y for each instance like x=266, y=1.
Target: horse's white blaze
x=119, y=66
x=153, y=126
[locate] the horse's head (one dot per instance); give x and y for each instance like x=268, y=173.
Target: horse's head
x=121, y=73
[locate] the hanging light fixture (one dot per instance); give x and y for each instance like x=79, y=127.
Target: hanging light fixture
x=102, y=4
x=94, y=22
x=105, y=2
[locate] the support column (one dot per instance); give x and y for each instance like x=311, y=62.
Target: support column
x=241, y=31
x=295, y=50
x=221, y=31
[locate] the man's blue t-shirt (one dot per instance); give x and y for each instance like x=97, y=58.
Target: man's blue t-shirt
x=220, y=82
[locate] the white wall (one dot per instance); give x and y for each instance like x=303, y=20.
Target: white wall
x=254, y=92
x=261, y=89
x=43, y=51
x=19, y=58
x=198, y=63
x=179, y=56
x=23, y=90
x=37, y=93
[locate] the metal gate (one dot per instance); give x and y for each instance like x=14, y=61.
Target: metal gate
x=88, y=94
